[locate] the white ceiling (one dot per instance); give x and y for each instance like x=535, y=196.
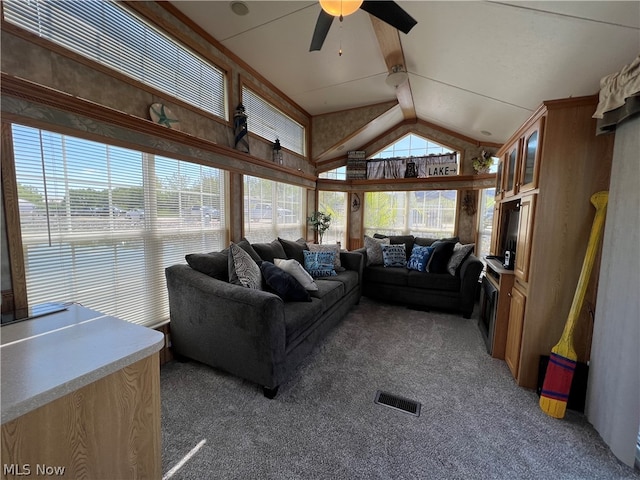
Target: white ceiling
x=473, y=66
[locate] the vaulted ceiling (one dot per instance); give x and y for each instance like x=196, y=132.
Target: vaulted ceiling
x=477, y=68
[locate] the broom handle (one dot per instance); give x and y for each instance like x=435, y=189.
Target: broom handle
x=599, y=200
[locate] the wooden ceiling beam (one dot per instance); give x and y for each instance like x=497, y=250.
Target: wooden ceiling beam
x=391, y=48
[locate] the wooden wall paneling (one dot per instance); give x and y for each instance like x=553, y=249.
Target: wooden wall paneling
x=12, y=219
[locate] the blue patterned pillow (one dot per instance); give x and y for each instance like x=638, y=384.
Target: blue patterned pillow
x=319, y=264
x=394, y=255
x=419, y=258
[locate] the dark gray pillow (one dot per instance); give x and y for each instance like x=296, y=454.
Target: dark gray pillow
x=269, y=251
x=214, y=264
x=294, y=249
x=246, y=246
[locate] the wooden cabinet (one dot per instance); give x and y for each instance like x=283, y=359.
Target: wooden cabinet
x=514, y=332
x=525, y=230
x=499, y=179
x=557, y=162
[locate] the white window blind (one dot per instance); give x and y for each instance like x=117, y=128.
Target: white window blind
x=106, y=32
x=101, y=223
x=272, y=209
x=267, y=121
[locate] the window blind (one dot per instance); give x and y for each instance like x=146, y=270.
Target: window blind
x=106, y=32
x=267, y=121
x=101, y=223
x=272, y=209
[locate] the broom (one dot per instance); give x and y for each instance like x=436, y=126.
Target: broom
x=562, y=362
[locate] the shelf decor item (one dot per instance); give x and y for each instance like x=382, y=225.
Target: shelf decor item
x=276, y=152
x=241, y=138
x=320, y=222
x=161, y=115
x=483, y=163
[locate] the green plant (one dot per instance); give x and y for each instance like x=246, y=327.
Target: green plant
x=320, y=222
x=483, y=162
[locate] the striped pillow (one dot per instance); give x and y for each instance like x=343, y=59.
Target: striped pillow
x=243, y=270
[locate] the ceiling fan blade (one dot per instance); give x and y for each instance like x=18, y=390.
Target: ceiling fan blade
x=322, y=28
x=391, y=13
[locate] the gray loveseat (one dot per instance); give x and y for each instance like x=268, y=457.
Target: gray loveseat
x=254, y=334
x=423, y=289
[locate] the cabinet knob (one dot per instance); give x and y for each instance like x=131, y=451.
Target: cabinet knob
x=509, y=294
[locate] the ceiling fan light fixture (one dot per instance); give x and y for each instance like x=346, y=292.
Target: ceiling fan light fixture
x=397, y=76
x=340, y=8
x=239, y=8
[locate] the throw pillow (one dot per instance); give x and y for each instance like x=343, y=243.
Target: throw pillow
x=408, y=241
x=269, y=251
x=335, y=248
x=319, y=264
x=214, y=264
x=394, y=255
x=374, y=249
x=283, y=284
x=440, y=256
x=459, y=255
x=243, y=270
x=294, y=249
x=293, y=267
x=420, y=258
x=246, y=246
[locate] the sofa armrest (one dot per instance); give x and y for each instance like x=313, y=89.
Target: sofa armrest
x=469, y=274
x=228, y=326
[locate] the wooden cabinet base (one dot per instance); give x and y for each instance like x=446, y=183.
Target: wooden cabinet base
x=109, y=429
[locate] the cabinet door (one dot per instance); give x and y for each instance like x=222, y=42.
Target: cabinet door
x=514, y=332
x=499, y=178
x=531, y=151
x=523, y=243
x=511, y=170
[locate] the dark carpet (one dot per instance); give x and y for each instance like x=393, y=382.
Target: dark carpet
x=475, y=422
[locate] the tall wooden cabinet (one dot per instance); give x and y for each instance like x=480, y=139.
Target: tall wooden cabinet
x=551, y=167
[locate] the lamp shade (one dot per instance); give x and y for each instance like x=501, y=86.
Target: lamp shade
x=339, y=8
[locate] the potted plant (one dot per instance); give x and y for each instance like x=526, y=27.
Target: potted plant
x=320, y=222
x=483, y=163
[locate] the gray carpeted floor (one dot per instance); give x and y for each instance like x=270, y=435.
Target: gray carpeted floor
x=475, y=423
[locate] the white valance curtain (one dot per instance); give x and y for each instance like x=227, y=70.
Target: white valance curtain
x=397, y=167
x=619, y=97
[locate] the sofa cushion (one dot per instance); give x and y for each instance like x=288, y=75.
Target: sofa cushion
x=283, y=284
x=433, y=281
x=394, y=255
x=294, y=249
x=299, y=316
x=243, y=270
x=293, y=267
x=349, y=278
x=329, y=292
x=335, y=248
x=459, y=255
x=440, y=256
x=319, y=264
x=386, y=275
x=407, y=240
x=427, y=242
x=374, y=249
x=269, y=251
x=419, y=258
x=214, y=264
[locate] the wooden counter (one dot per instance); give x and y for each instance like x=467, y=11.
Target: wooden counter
x=80, y=397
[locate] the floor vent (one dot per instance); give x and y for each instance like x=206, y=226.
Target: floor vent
x=399, y=403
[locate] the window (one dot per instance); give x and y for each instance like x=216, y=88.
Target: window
x=430, y=213
x=339, y=173
x=334, y=203
x=107, y=33
x=101, y=223
x=485, y=221
x=412, y=146
x=268, y=122
x=272, y=209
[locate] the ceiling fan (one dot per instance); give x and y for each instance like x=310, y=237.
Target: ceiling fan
x=388, y=12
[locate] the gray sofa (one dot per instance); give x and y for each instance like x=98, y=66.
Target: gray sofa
x=422, y=289
x=254, y=334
